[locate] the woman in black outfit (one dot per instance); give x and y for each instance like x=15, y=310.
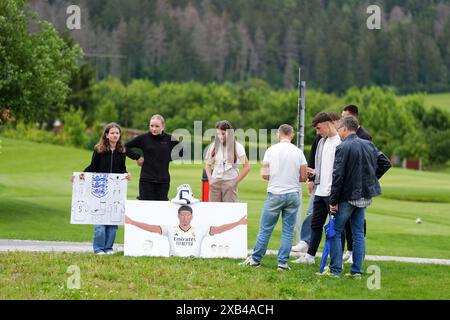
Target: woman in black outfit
x=108, y=157
x=157, y=147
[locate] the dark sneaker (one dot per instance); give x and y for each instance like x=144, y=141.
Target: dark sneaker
x=283, y=267
x=250, y=262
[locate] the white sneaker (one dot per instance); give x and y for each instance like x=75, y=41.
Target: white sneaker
x=110, y=252
x=302, y=246
x=350, y=260
x=307, y=259
x=347, y=255
x=100, y=253
x=250, y=262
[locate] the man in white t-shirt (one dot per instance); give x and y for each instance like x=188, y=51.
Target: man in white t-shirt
x=184, y=239
x=326, y=149
x=284, y=166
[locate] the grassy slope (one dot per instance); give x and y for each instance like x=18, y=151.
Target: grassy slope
x=35, y=196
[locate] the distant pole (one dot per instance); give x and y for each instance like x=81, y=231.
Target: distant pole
x=301, y=112
x=301, y=145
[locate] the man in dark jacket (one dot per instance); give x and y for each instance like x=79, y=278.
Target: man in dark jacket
x=357, y=167
x=348, y=111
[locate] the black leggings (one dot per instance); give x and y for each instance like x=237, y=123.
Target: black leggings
x=349, y=237
x=153, y=191
x=321, y=208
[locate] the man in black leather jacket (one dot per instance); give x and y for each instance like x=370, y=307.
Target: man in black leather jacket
x=357, y=167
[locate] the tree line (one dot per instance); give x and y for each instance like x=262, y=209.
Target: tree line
x=216, y=40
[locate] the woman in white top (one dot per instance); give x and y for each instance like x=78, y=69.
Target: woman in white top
x=226, y=154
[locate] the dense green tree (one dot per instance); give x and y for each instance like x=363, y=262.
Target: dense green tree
x=35, y=67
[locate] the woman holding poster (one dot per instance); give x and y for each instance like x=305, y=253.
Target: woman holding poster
x=108, y=157
x=157, y=147
x=226, y=154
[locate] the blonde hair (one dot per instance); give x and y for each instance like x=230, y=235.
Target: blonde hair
x=158, y=117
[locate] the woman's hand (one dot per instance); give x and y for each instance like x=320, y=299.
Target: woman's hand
x=128, y=177
x=140, y=162
x=72, y=178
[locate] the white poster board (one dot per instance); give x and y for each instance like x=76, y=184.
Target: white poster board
x=99, y=198
x=197, y=241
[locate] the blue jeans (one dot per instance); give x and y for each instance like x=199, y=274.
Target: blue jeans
x=305, y=234
x=276, y=204
x=356, y=215
x=104, y=237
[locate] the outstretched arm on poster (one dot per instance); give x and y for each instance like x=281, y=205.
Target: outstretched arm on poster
x=144, y=226
x=226, y=227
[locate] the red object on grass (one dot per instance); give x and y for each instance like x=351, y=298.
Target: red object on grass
x=205, y=187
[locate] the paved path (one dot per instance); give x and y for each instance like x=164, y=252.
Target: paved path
x=86, y=247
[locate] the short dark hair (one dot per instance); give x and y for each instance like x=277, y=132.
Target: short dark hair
x=351, y=123
x=352, y=109
x=286, y=130
x=184, y=208
x=319, y=118
x=334, y=116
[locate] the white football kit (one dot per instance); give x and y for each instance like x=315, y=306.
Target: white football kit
x=185, y=243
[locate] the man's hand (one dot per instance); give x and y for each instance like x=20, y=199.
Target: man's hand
x=243, y=220
x=311, y=171
x=334, y=209
x=140, y=162
x=310, y=186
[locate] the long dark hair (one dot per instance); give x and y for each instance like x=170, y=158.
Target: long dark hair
x=230, y=141
x=103, y=144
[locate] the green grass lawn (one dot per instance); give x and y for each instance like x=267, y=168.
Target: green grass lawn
x=441, y=100
x=44, y=276
x=35, y=197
